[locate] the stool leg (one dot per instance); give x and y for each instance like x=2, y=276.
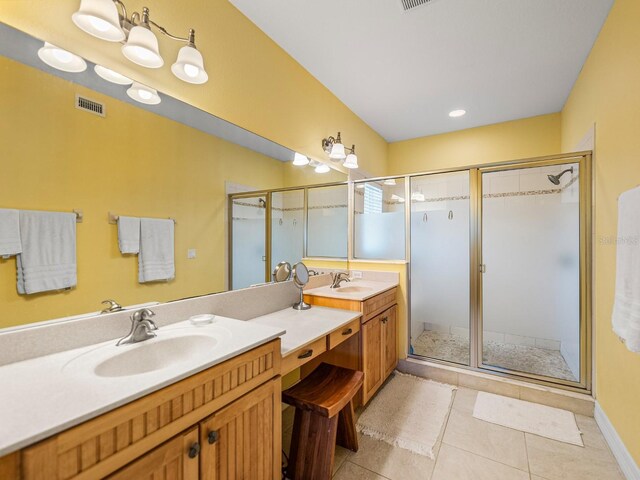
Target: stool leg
x=347, y=435
x=312, y=446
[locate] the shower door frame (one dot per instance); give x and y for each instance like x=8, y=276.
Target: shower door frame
x=584, y=159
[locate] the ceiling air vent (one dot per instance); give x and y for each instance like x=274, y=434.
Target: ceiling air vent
x=410, y=4
x=91, y=106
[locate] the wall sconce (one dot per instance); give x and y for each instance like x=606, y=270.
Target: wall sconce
x=102, y=19
x=337, y=151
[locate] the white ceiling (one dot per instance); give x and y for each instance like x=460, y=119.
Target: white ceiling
x=403, y=72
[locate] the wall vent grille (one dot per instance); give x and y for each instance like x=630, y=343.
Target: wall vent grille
x=410, y=4
x=91, y=106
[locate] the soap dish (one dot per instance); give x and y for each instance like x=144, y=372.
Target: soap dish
x=203, y=319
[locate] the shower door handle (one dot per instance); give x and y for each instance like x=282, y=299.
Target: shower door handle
x=483, y=268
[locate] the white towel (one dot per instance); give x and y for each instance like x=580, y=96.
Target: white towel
x=129, y=234
x=10, y=243
x=626, y=307
x=155, y=261
x=48, y=258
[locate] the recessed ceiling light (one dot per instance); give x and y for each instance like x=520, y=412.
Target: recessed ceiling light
x=457, y=113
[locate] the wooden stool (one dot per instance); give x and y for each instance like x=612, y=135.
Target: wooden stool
x=324, y=413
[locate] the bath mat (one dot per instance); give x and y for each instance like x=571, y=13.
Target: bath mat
x=549, y=422
x=408, y=412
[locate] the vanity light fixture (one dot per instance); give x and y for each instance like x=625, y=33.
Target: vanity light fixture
x=103, y=19
x=336, y=150
x=322, y=168
x=417, y=197
x=143, y=94
x=397, y=198
x=111, y=76
x=300, y=160
x=457, y=113
x=58, y=58
x=390, y=182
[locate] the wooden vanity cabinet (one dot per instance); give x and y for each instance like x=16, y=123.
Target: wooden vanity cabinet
x=374, y=351
x=168, y=433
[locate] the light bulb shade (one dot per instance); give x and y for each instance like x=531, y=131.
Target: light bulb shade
x=143, y=94
x=61, y=59
x=142, y=48
x=351, y=161
x=99, y=18
x=189, y=66
x=337, y=152
x=111, y=76
x=300, y=160
x=322, y=168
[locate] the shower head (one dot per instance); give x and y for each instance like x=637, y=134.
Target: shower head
x=555, y=179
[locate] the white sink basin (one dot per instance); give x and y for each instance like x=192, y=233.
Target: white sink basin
x=155, y=356
x=354, y=289
x=176, y=348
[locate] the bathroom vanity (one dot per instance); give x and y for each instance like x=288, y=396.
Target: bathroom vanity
x=375, y=350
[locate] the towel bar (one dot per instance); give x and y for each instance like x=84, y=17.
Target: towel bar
x=113, y=219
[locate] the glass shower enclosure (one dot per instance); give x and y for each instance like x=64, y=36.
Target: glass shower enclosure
x=500, y=268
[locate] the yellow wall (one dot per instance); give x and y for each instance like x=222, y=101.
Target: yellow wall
x=607, y=93
x=55, y=157
x=252, y=81
x=525, y=138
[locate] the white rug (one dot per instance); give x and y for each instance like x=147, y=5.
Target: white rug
x=408, y=412
x=549, y=422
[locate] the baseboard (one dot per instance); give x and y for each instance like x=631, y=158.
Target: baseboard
x=625, y=460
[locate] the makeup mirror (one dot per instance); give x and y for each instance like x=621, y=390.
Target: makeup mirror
x=282, y=272
x=301, y=278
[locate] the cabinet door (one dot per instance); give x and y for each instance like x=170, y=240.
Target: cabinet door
x=176, y=459
x=389, y=326
x=372, y=362
x=243, y=440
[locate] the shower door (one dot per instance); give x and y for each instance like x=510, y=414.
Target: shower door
x=532, y=234
x=249, y=238
x=440, y=264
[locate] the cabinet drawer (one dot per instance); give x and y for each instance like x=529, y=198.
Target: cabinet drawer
x=340, y=335
x=378, y=304
x=301, y=356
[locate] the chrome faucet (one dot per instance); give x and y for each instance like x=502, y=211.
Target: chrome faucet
x=338, y=278
x=142, y=327
x=113, y=306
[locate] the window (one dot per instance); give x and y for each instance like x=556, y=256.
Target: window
x=372, y=198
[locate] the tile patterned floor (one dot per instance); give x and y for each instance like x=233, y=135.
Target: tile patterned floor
x=470, y=449
x=524, y=358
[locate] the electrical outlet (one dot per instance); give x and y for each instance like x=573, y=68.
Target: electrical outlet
x=191, y=253
x=356, y=274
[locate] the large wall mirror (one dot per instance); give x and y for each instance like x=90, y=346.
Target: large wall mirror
x=159, y=161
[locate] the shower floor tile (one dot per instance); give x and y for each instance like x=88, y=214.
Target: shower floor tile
x=523, y=358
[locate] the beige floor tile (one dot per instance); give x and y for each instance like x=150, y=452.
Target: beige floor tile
x=465, y=399
x=591, y=434
x=495, y=442
x=351, y=471
x=554, y=460
x=392, y=462
x=340, y=457
x=456, y=464
x=436, y=374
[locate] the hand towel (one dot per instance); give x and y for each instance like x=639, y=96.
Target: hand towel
x=626, y=307
x=129, y=234
x=156, y=258
x=48, y=258
x=10, y=242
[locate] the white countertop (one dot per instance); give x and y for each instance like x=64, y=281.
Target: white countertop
x=306, y=326
x=46, y=395
x=369, y=289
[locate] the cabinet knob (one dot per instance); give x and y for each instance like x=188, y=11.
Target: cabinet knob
x=212, y=437
x=306, y=354
x=194, y=450
x=384, y=319
x=348, y=331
